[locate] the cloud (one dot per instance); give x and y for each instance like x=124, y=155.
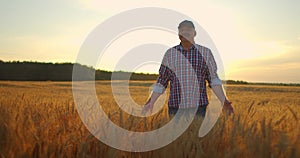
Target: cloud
x=269, y=74
x=281, y=68
x=40, y=48
x=291, y=57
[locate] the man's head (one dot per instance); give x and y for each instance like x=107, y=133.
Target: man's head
x=186, y=31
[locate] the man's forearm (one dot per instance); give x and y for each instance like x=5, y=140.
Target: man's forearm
x=154, y=97
x=218, y=90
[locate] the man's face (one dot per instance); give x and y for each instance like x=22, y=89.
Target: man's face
x=186, y=33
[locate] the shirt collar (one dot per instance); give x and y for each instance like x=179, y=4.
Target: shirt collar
x=180, y=47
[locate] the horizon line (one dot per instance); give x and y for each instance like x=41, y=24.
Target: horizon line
x=147, y=73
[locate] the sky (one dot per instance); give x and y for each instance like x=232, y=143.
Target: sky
x=257, y=41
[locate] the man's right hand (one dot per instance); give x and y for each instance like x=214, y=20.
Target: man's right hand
x=148, y=106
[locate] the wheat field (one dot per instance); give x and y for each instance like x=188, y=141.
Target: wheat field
x=39, y=119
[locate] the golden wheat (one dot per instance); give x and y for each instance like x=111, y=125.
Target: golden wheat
x=39, y=119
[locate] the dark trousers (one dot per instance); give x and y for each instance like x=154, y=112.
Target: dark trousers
x=201, y=111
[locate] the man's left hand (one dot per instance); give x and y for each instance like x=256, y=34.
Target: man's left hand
x=228, y=107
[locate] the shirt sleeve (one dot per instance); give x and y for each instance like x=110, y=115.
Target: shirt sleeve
x=164, y=76
x=213, y=77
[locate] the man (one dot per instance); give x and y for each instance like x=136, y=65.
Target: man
x=188, y=66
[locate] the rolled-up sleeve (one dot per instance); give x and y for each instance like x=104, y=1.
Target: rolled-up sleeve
x=212, y=67
x=164, y=76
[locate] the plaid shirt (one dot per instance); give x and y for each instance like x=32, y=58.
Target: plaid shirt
x=187, y=71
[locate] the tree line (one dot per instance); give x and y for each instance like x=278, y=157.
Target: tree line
x=38, y=71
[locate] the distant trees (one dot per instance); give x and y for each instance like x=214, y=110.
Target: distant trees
x=236, y=82
x=37, y=71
